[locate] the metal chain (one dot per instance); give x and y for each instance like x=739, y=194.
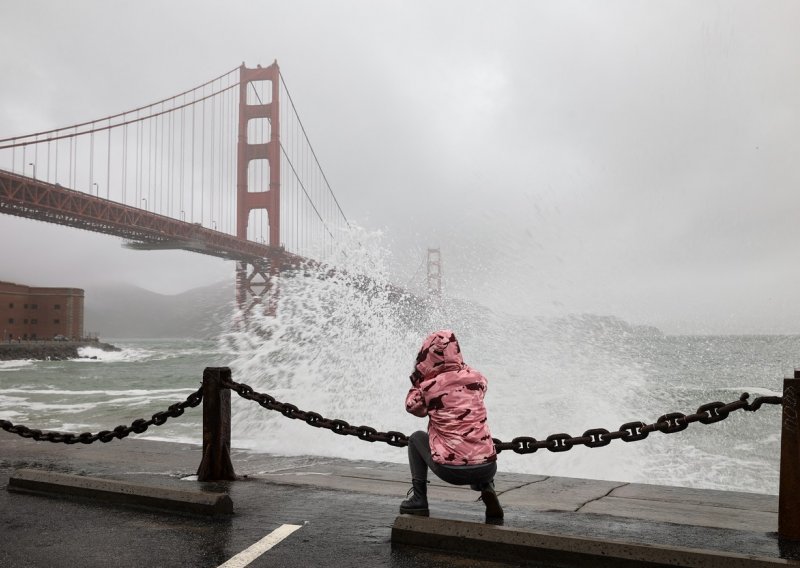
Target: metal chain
x=137, y=426
x=635, y=431
x=594, y=438
x=366, y=433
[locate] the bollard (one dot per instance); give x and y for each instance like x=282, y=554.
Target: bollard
x=216, y=463
x=789, y=490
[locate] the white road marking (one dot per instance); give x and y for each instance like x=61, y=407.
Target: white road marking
x=246, y=556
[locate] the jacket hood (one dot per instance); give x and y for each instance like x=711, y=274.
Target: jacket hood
x=440, y=352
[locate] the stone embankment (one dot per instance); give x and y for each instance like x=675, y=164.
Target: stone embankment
x=48, y=350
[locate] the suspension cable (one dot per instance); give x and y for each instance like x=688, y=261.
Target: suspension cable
x=303, y=187
x=296, y=175
x=288, y=94
x=113, y=116
x=103, y=128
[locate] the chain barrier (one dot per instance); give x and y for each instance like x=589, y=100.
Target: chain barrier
x=635, y=431
x=594, y=438
x=366, y=433
x=137, y=426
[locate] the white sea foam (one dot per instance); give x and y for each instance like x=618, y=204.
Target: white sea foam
x=14, y=365
x=9, y=414
x=47, y=407
x=122, y=393
x=95, y=354
x=73, y=427
x=683, y=464
x=60, y=407
x=753, y=391
x=10, y=400
x=195, y=440
x=129, y=401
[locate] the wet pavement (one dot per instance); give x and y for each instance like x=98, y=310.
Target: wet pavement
x=345, y=510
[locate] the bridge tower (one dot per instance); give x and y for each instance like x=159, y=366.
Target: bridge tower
x=434, y=272
x=254, y=282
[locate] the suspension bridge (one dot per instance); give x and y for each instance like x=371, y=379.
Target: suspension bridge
x=227, y=169
x=224, y=169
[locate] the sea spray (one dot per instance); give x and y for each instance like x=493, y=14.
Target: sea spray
x=338, y=345
x=344, y=346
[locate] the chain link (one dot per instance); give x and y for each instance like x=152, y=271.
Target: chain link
x=137, y=426
x=595, y=438
x=366, y=433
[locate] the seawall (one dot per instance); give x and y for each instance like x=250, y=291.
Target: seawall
x=48, y=350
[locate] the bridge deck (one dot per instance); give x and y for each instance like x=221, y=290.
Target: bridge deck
x=35, y=199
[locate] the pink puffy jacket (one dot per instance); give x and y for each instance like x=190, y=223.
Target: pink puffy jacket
x=451, y=394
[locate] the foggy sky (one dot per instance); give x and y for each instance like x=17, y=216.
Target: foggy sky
x=627, y=158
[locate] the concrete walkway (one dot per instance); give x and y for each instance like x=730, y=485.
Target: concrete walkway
x=639, y=523
x=549, y=520
x=521, y=493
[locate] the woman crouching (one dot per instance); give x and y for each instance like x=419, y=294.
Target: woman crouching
x=458, y=446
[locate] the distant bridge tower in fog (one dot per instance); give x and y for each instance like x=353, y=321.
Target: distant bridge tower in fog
x=434, y=272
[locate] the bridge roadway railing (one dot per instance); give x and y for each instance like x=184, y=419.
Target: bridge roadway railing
x=215, y=394
x=36, y=199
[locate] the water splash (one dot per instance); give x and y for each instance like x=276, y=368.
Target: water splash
x=343, y=346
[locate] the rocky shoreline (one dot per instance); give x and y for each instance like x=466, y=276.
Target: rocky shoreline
x=48, y=350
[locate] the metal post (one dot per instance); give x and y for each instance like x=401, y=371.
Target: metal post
x=216, y=463
x=789, y=491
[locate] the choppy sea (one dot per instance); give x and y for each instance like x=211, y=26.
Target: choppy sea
x=545, y=377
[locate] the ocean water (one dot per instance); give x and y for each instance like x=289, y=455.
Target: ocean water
x=344, y=347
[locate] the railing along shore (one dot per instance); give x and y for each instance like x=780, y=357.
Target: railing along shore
x=216, y=464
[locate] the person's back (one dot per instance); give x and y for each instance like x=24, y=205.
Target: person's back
x=458, y=447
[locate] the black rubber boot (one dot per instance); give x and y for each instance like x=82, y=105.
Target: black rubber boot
x=417, y=502
x=494, y=512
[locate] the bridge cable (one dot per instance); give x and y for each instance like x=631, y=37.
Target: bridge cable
x=113, y=116
x=300, y=181
x=288, y=94
x=108, y=166
x=103, y=128
x=194, y=138
x=203, y=163
x=303, y=187
x=211, y=161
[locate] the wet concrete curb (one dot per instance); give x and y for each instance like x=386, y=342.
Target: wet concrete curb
x=41, y=482
x=525, y=545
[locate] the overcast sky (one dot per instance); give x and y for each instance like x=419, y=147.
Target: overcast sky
x=640, y=159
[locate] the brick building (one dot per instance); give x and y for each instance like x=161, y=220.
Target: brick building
x=27, y=312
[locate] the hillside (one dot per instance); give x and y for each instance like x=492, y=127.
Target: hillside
x=128, y=311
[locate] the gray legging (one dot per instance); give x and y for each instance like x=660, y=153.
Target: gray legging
x=478, y=477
